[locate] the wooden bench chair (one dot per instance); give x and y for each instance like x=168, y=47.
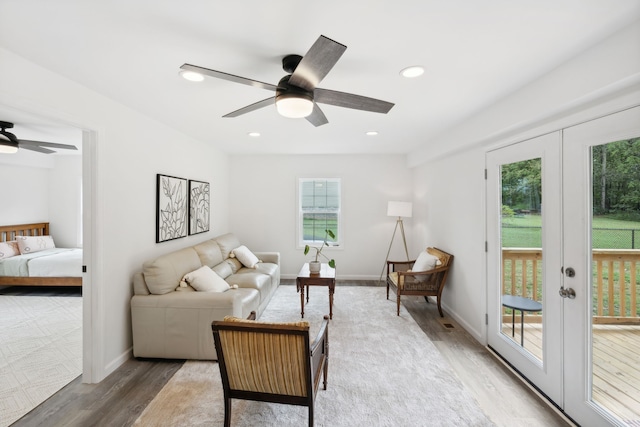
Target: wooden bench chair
x=270, y=362
x=422, y=283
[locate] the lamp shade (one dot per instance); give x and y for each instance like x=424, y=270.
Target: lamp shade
x=400, y=209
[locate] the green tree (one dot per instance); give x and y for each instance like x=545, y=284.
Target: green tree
x=521, y=185
x=616, y=177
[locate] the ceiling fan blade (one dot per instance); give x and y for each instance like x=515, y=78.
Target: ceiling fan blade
x=227, y=76
x=252, y=107
x=349, y=100
x=26, y=143
x=317, y=117
x=36, y=148
x=317, y=63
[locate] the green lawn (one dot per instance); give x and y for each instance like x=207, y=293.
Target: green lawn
x=608, y=233
x=316, y=228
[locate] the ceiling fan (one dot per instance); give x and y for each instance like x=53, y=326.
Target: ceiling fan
x=297, y=94
x=9, y=143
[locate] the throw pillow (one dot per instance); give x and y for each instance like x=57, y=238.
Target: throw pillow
x=246, y=257
x=205, y=279
x=9, y=249
x=31, y=244
x=424, y=262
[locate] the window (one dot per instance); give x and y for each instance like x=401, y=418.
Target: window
x=318, y=210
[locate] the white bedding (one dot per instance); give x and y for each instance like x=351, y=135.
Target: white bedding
x=57, y=262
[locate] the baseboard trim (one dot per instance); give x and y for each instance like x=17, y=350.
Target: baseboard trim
x=117, y=362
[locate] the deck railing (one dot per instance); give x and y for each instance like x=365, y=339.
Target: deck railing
x=615, y=281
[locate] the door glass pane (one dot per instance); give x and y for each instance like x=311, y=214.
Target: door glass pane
x=615, y=240
x=521, y=242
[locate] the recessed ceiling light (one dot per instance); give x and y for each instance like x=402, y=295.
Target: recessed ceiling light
x=372, y=133
x=192, y=76
x=254, y=134
x=413, y=71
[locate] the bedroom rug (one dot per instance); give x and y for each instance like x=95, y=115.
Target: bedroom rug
x=40, y=350
x=383, y=371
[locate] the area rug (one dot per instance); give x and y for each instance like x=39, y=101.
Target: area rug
x=383, y=371
x=40, y=350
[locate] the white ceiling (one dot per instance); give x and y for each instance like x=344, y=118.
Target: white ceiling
x=474, y=52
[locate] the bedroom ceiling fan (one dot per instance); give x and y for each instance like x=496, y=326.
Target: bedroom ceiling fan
x=297, y=93
x=9, y=143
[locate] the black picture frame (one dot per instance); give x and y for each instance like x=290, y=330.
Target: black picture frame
x=171, y=208
x=199, y=206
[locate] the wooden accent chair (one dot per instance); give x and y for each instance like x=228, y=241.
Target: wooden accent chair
x=424, y=283
x=270, y=362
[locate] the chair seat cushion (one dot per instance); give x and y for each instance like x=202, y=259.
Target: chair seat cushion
x=393, y=276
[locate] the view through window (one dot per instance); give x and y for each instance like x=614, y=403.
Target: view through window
x=319, y=210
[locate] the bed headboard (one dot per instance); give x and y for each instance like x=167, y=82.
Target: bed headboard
x=9, y=232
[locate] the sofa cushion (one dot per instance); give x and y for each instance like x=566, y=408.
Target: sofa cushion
x=250, y=278
x=234, y=264
x=164, y=273
x=270, y=269
x=209, y=253
x=223, y=269
x=227, y=243
x=205, y=279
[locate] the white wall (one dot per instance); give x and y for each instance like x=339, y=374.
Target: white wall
x=65, y=201
x=23, y=194
x=448, y=174
x=264, y=207
x=130, y=150
x=449, y=214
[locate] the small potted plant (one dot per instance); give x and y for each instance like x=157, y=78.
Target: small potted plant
x=314, y=266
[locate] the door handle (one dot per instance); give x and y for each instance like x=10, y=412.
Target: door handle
x=567, y=293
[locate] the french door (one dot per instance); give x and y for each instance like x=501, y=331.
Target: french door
x=601, y=328
x=550, y=235
x=524, y=258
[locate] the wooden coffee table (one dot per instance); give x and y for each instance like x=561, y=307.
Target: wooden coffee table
x=326, y=277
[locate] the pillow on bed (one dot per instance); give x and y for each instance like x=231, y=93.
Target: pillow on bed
x=31, y=244
x=9, y=249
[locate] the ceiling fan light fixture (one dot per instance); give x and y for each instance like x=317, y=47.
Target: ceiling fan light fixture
x=192, y=76
x=411, y=72
x=8, y=141
x=294, y=105
x=8, y=147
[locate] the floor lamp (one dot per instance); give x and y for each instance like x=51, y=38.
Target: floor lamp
x=398, y=209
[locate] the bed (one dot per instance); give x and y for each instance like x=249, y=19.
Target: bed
x=49, y=267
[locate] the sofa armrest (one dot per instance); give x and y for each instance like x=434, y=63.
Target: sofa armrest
x=272, y=257
x=177, y=325
x=139, y=285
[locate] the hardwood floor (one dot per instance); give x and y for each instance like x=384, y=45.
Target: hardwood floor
x=121, y=398
x=616, y=367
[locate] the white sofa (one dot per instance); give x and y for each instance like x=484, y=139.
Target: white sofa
x=174, y=322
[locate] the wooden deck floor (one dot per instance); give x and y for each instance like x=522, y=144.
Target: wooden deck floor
x=616, y=360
